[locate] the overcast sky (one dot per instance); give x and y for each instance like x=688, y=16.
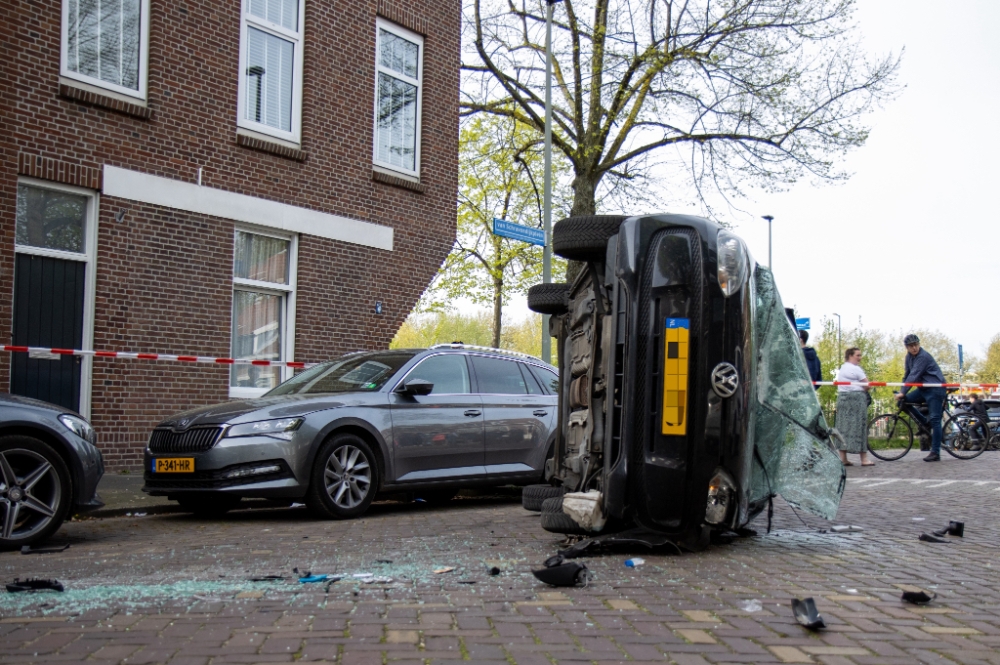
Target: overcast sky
x=910, y=241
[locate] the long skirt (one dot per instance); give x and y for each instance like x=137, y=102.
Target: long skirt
x=852, y=421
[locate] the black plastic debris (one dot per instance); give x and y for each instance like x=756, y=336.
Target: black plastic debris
x=383, y=560
x=494, y=571
x=954, y=528
x=467, y=581
x=806, y=613
x=51, y=549
x=268, y=578
x=927, y=538
x=18, y=586
x=629, y=539
x=559, y=572
x=918, y=597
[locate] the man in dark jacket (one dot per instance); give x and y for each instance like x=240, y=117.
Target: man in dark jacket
x=812, y=360
x=922, y=368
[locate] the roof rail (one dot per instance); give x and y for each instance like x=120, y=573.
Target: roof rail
x=473, y=347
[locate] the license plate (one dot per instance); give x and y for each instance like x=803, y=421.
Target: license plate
x=174, y=465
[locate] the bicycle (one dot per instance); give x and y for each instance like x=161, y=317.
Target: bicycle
x=964, y=435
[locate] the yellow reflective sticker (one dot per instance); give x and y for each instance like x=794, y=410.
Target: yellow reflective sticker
x=675, y=376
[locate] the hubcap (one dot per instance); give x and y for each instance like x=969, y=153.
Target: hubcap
x=347, y=476
x=30, y=493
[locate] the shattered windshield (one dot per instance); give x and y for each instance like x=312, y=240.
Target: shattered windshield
x=362, y=372
x=792, y=456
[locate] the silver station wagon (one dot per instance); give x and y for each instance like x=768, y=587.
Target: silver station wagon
x=433, y=421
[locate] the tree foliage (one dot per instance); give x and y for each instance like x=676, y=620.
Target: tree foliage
x=499, y=177
x=427, y=329
x=728, y=92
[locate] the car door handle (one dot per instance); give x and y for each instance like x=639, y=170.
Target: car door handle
x=472, y=413
x=540, y=413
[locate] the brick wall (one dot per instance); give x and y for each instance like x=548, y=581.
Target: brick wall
x=164, y=276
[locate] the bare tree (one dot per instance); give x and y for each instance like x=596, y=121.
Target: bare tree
x=759, y=92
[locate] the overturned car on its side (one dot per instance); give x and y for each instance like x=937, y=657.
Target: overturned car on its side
x=684, y=403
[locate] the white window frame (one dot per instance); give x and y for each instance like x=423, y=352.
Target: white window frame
x=298, y=39
x=143, y=55
x=287, y=291
x=88, y=256
x=408, y=35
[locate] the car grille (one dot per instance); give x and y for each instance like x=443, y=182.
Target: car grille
x=194, y=440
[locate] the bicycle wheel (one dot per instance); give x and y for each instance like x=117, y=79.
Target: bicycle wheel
x=964, y=435
x=889, y=437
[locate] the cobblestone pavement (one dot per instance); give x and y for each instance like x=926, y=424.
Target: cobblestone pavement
x=172, y=589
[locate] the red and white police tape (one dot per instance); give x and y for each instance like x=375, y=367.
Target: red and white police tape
x=299, y=365
x=42, y=351
x=879, y=384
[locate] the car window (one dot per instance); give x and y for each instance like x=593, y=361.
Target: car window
x=361, y=372
x=529, y=381
x=448, y=372
x=497, y=376
x=547, y=378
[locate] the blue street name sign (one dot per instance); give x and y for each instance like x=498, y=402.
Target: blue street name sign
x=501, y=227
x=802, y=324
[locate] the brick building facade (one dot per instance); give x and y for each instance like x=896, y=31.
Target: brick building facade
x=216, y=178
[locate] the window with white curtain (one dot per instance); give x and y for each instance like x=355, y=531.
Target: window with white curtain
x=398, y=74
x=263, y=310
x=270, y=90
x=105, y=43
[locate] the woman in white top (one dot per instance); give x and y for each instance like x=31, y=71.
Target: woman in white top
x=852, y=409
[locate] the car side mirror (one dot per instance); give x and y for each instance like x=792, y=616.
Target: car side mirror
x=417, y=387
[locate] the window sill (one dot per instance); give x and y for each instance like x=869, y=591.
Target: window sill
x=395, y=181
x=88, y=96
x=261, y=145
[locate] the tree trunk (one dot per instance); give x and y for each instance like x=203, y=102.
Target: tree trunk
x=497, y=311
x=584, y=204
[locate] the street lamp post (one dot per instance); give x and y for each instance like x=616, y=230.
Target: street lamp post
x=839, y=349
x=769, y=218
x=547, y=186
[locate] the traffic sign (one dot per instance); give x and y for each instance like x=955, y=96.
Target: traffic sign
x=501, y=227
x=802, y=324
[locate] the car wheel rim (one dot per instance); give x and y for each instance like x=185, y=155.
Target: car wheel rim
x=30, y=493
x=347, y=476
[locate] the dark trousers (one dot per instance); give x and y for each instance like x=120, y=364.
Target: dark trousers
x=934, y=399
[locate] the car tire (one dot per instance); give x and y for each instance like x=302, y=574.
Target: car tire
x=556, y=521
x=585, y=238
x=344, y=478
x=208, y=505
x=549, y=298
x=533, y=496
x=24, y=460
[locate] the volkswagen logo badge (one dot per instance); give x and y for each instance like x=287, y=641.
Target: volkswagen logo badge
x=725, y=380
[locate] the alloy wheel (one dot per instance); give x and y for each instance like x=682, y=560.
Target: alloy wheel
x=30, y=493
x=347, y=476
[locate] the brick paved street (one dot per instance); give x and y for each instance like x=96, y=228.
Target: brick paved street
x=169, y=588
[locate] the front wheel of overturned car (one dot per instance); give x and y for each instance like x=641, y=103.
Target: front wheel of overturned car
x=208, y=505
x=585, y=238
x=344, y=478
x=549, y=298
x=533, y=496
x=35, y=491
x=556, y=521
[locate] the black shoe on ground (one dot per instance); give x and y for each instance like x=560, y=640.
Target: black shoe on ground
x=932, y=458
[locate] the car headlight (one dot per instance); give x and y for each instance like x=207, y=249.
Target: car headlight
x=721, y=492
x=732, y=258
x=278, y=429
x=78, y=426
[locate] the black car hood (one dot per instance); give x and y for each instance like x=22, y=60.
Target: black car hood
x=263, y=408
x=6, y=399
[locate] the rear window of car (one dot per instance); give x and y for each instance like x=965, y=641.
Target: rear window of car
x=546, y=377
x=497, y=376
x=363, y=372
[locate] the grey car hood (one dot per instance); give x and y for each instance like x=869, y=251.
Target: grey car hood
x=265, y=408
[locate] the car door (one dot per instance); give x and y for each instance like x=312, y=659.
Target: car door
x=438, y=436
x=518, y=415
